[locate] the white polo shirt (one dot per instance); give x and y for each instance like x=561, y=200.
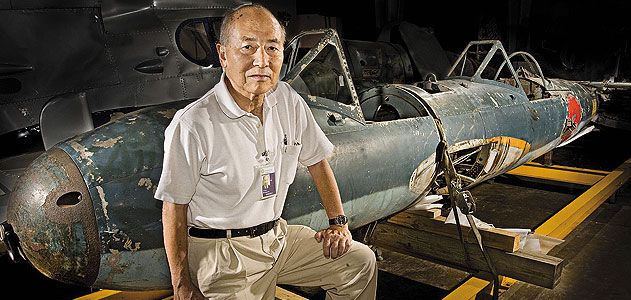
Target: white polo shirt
x=215, y=155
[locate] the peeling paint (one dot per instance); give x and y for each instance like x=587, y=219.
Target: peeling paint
x=128, y=245
x=108, y=143
x=169, y=113
x=422, y=176
x=145, y=182
x=83, y=152
x=115, y=116
x=120, y=241
x=114, y=263
x=103, y=204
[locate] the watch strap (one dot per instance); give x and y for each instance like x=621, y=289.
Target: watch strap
x=339, y=220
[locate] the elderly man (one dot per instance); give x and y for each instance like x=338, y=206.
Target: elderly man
x=229, y=159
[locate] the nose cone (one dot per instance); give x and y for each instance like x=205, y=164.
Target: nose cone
x=52, y=215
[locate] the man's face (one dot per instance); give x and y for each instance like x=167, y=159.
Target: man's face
x=253, y=56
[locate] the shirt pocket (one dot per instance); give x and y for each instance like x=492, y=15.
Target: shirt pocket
x=289, y=163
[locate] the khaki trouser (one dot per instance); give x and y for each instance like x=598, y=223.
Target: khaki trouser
x=250, y=268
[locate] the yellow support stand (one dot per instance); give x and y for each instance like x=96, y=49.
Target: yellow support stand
x=603, y=185
x=281, y=294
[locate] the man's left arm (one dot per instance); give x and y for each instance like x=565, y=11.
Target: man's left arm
x=337, y=239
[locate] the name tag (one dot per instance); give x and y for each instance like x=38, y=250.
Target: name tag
x=268, y=181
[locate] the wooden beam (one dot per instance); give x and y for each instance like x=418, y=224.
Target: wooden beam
x=538, y=269
x=283, y=294
x=428, y=213
x=492, y=237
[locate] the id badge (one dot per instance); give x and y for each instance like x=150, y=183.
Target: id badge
x=268, y=181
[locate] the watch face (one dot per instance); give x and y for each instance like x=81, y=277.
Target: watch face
x=339, y=220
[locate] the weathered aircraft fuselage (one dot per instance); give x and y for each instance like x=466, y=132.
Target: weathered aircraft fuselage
x=84, y=210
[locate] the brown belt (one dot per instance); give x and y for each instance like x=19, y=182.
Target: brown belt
x=230, y=233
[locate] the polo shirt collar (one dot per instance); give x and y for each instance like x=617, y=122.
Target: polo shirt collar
x=230, y=107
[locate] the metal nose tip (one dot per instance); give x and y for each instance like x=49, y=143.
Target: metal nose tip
x=51, y=213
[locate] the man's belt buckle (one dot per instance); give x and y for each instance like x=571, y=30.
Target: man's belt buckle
x=252, y=231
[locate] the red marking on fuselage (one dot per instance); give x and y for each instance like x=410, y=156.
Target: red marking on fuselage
x=574, y=114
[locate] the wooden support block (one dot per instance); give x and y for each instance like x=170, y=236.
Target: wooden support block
x=428, y=213
x=546, y=243
x=283, y=294
x=534, y=268
x=121, y=295
x=491, y=237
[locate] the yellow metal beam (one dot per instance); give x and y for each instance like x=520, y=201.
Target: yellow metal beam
x=120, y=295
x=563, y=222
x=281, y=294
x=468, y=290
x=568, y=168
x=102, y=294
x=559, y=173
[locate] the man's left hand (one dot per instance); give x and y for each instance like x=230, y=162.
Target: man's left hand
x=336, y=240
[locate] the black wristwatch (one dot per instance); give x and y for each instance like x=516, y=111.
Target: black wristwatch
x=339, y=220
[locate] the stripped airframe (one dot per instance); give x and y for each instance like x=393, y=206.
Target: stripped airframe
x=84, y=211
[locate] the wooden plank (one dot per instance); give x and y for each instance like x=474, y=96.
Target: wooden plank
x=491, y=237
x=428, y=213
x=538, y=269
x=546, y=243
x=283, y=294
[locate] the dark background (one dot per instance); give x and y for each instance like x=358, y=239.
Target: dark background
x=579, y=40
x=570, y=39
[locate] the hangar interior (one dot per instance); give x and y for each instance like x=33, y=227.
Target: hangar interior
x=410, y=41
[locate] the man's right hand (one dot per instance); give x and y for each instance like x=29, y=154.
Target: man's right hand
x=188, y=292
x=336, y=240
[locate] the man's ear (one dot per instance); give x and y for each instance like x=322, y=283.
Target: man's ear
x=222, y=54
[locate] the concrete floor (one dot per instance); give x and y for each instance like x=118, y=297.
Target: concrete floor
x=598, y=252
x=598, y=256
